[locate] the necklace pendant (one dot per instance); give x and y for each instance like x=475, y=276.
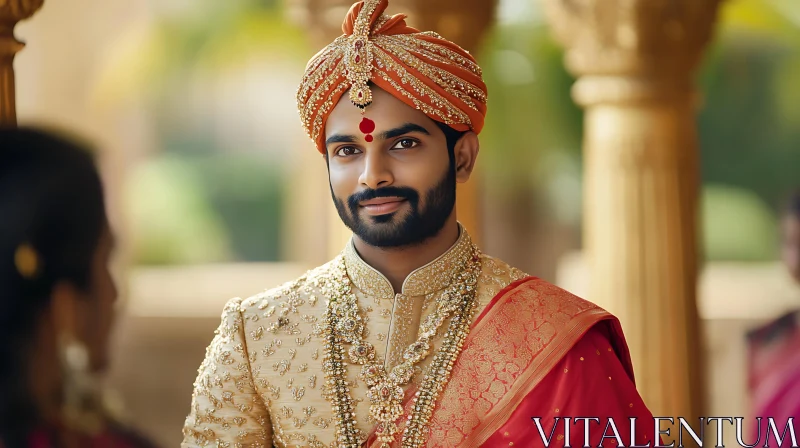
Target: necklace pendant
x=362, y=353
x=350, y=326
x=372, y=374
x=386, y=412
x=386, y=398
x=385, y=394
x=386, y=430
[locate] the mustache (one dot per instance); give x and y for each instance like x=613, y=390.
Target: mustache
x=406, y=193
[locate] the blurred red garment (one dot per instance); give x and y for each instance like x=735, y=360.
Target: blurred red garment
x=774, y=371
x=113, y=436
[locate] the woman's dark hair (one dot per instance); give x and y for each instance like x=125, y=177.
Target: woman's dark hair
x=51, y=206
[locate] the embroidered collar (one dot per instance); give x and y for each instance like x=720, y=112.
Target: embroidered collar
x=432, y=277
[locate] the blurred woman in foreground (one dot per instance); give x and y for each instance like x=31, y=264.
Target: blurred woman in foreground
x=56, y=296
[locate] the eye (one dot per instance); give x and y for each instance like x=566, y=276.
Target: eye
x=345, y=151
x=406, y=143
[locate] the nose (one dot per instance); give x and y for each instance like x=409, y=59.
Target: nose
x=376, y=172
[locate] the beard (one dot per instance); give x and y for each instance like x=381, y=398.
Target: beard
x=394, y=230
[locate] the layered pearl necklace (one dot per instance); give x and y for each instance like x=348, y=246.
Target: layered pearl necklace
x=344, y=324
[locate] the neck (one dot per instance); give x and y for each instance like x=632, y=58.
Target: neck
x=44, y=376
x=398, y=262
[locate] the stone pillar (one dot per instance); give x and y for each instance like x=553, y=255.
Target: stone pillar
x=11, y=12
x=462, y=21
x=635, y=61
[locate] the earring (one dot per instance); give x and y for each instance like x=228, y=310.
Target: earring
x=81, y=407
x=27, y=262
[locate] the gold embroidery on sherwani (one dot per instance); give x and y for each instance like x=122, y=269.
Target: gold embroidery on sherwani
x=291, y=316
x=403, y=330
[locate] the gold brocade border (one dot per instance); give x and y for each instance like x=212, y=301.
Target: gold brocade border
x=536, y=293
x=555, y=350
x=494, y=307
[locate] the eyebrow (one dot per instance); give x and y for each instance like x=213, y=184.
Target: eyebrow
x=340, y=138
x=404, y=129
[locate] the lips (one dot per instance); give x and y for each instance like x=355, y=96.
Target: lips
x=381, y=201
x=382, y=206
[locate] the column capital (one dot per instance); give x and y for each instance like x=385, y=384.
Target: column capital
x=11, y=12
x=631, y=50
x=461, y=21
x=15, y=10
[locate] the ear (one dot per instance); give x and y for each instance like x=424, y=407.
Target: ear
x=466, y=153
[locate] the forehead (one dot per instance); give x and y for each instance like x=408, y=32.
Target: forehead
x=386, y=111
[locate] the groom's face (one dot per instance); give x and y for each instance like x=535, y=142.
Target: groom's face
x=391, y=175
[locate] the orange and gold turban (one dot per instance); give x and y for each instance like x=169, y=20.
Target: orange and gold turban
x=421, y=69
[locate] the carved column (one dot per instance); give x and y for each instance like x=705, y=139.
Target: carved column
x=11, y=12
x=462, y=21
x=635, y=60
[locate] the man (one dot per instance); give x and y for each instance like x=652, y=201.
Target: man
x=411, y=337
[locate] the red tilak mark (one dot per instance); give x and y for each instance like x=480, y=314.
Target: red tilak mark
x=366, y=126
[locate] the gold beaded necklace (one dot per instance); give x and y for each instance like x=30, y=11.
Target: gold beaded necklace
x=344, y=324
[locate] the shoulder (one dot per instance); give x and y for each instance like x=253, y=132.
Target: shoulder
x=495, y=267
x=496, y=275
x=303, y=292
x=516, y=281
x=294, y=309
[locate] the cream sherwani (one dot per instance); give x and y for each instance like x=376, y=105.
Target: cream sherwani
x=262, y=381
